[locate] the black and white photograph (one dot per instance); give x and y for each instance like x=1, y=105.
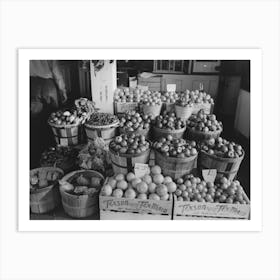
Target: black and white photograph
x=139, y=139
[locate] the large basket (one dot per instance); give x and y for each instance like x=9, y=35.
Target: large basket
x=45, y=199
x=175, y=167
x=66, y=135
x=176, y=134
x=227, y=167
x=124, y=163
x=106, y=132
x=183, y=112
x=80, y=206
x=200, y=136
x=152, y=110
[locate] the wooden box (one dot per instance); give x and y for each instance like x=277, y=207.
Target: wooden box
x=112, y=208
x=123, y=107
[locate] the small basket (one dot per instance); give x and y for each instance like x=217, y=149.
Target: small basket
x=45, y=199
x=183, y=112
x=80, y=206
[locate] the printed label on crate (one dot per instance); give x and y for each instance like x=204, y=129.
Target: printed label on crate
x=135, y=205
x=222, y=210
x=171, y=87
x=141, y=169
x=209, y=175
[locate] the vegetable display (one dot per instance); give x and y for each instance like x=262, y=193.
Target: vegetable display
x=100, y=119
x=198, y=97
x=133, y=121
x=151, y=98
x=168, y=120
x=169, y=97
x=127, y=95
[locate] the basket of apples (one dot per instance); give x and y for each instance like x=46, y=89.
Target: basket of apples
x=168, y=124
x=126, y=99
x=135, y=123
x=223, y=155
x=168, y=100
x=222, y=199
x=151, y=193
x=126, y=150
x=79, y=192
x=183, y=107
x=150, y=103
x=102, y=125
x=44, y=193
x=201, y=100
x=203, y=126
x=176, y=157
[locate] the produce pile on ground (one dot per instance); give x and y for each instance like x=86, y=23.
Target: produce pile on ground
x=168, y=120
x=82, y=185
x=198, y=97
x=153, y=186
x=127, y=95
x=204, y=122
x=221, y=148
x=43, y=178
x=100, y=119
x=129, y=144
x=196, y=190
x=179, y=148
x=133, y=121
x=151, y=98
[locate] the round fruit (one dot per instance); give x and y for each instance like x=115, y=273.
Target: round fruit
x=130, y=193
x=142, y=196
x=147, y=179
x=106, y=190
x=161, y=190
x=167, y=180
x=135, y=181
x=158, y=179
x=152, y=187
x=156, y=170
x=122, y=185
x=171, y=187
x=142, y=187
x=154, y=196
x=130, y=176
x=164, y=197
x=119, y=177
x=117, y=193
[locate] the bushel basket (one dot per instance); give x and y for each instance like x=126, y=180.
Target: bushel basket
x=183, y=112
x=162, y=132
x=200, y=135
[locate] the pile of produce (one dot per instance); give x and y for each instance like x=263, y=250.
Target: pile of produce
x=82, y=185
x=198, y=97
x=129, y=144
x=204, y=122
x=184, y=101
x=127, y=95
x=94, y=156
x=133, y=121
x=153, y=186
x=73, y=116
x=43, y=179
x=222, y=148
x=59, y=156
x=150, y=98
x=168, y=120
x=179, y=148
x=196, y=190
x=169, y=97
x=100, y=119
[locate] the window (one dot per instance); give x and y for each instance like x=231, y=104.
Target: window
x=169, y=66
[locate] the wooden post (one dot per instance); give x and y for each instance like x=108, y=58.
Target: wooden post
x=103, y=85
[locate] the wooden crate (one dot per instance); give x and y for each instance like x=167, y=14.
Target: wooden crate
x=185, y=210
x=112, y=208
x=123, y=107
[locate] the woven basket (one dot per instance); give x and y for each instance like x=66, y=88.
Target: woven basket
x=183, y=112
x=66, y=135
x=106, y=132
x=226, y=167
x=175, y=167
x=80, y=206
x=124, y=163
x=45, y=199
x=159, y=132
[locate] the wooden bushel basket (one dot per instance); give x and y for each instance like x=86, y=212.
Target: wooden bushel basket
x=45, y=199
x=106, y=132
x=227, y=167
x=159, y=132
x=168, y=107
x=145, y=132
x=175, y=167
x=124, y=163
x=66, y=135
x=80, y=206
x=183, y=112
x=199, y=135
x=152, y=110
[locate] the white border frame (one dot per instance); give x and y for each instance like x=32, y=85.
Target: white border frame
x=254, y=224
